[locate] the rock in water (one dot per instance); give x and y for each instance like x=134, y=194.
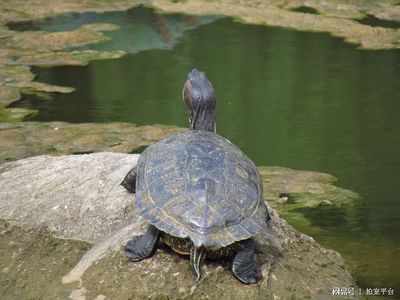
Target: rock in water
x=79, y=197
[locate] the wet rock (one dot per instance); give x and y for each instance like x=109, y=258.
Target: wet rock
x=49, y=59
x=15, y=114
x=303, y=189
x=19, y=50
x=79, y=197
x=21, y=10
x=343, y=10
x=337, y=18
x=33, y=86
x=88, y=55
x=26, y=139
x=391, y=13
x=10, y=74
x=17, y=79
x=43, y=41
x=8, y=95
x=73, y=58
x=5, y=32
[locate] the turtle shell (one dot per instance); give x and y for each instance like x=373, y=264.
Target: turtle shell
x=200, y=186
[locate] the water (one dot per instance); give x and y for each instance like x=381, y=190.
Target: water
x=295, y=99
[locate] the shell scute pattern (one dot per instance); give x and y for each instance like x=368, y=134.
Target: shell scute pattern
x=198, y=185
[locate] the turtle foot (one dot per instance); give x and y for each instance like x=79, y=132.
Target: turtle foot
x=141, y=247
x=248, y=274
x=244, y=267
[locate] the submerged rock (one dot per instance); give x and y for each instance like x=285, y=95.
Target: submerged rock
x=79, y=197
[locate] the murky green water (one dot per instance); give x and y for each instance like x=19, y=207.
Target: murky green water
x=302, y=100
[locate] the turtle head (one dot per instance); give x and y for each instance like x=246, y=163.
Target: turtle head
x=199, y=96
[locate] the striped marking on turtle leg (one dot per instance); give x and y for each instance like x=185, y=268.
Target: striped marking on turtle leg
x=197, y=256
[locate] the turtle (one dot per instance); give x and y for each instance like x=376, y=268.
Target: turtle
x=200, y=194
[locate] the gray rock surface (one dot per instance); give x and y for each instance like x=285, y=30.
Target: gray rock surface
x=75, y=196
x=79, y=197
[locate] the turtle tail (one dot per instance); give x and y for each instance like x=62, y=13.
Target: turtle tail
x=197, y=256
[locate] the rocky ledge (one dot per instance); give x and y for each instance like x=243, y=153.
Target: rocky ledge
x=65, y=220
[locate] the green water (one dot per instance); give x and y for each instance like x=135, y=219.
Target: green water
x=288, y=98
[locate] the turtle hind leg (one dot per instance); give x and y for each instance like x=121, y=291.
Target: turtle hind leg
x=142, y=246
x=129, y=181
x=244, y=266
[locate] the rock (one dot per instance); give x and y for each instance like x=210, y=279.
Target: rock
x=335, y=19
x=79, y=197
x=15, y=114
x=15, y=74
x=88, y=55
x=49, y=59
x=21, y=10
x=302, y=189
x=19, y=50
x=88, y=212
x=8, y=95
x=43, y=41
x=34, y=86
x=31, y=264
x=24, y=139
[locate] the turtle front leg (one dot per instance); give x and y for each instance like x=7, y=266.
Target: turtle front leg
x=244, y=266
x=129, y=181
x=142, y=246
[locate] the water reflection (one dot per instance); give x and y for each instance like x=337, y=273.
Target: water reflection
x=141, y=28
